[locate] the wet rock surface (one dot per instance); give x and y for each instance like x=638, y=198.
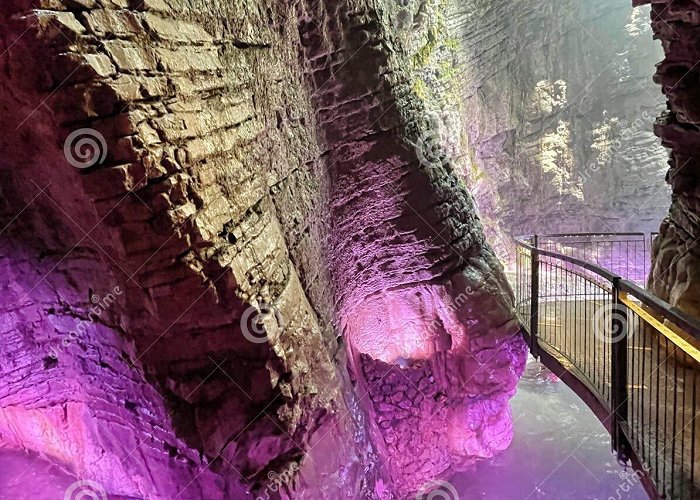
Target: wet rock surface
x=202, y=210
x=415, y=282
x=676, y=254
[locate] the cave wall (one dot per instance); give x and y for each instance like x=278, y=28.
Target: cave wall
x=676, y=257
x=298, y=280
x=422, y=300
x=558, y=114
x=202, y=212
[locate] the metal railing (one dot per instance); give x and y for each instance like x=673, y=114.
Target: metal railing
x=635, y=356
x=625, y=254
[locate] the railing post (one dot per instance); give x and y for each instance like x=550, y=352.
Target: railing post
x=618, y=395
x=534, y=297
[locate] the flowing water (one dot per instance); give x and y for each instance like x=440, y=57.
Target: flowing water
x=560, y=451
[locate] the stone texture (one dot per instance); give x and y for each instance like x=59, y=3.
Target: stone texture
x=417, y=287
x=676, y=257
x=268, y=161
x=207, y=127
x=557, y=120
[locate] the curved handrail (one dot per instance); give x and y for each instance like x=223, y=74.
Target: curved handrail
x=573, y=260
x=683, y=320
x=567, y=235
x=679, y=318
x=606, y=364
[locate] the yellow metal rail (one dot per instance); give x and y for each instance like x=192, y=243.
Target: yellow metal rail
x=683, y=341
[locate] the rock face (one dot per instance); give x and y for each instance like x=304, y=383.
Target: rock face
x=203, y=213
x=422, y=300
x=676, y=255
x=199, y=199
x=557, y=120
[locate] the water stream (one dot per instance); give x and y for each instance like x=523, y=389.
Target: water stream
x=560, y=451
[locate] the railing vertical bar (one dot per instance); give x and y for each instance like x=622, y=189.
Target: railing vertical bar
x=692, y=437
x=665, y=447
x=619, y=397
x=657, y=400
x=635, y=381
x=643, y=333
x=546, y=329
x=665, y=410
x=534, y=297
x=576, y=321
x=631, y=375
x=590, y=351
x=565, y=298
x=605, y=359
x=613, y=264
x=683, y=432
x=560, y=310
x=673, y=425
x=639, y=381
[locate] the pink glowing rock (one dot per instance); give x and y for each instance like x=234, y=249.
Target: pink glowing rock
x=439, y=363
x=438, y=398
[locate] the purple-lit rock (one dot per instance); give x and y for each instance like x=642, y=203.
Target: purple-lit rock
x=422, y=300
x=70, y=395
x=258, y=158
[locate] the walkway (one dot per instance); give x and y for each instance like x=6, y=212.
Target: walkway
x=630, y=356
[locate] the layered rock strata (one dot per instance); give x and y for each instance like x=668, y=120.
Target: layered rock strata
x=676, y=256
x=559, y=106
x=202, y=211
x=422, y=299
x=199, y=199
